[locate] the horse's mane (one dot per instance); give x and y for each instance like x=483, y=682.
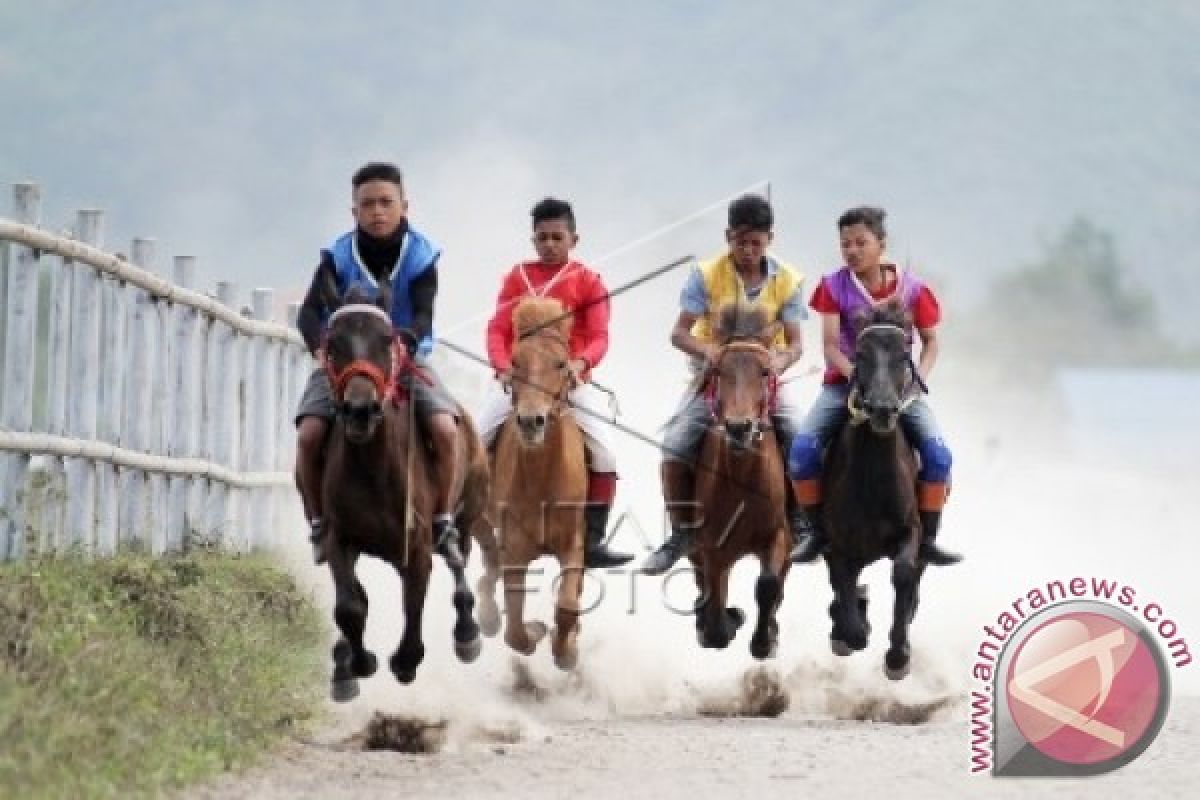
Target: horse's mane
x=535, y=313
x=738, y=319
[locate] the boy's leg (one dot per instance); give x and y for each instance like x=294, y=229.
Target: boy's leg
x=921, y=427
x=681, y=446
x=439, y=412
x=496, y=408
x=804, y=466
x=313, y=418
x=602, y=477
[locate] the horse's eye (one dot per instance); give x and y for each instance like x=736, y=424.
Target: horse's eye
x=561, y=365
x=766, y=373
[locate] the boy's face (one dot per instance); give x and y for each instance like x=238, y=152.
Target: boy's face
x=379, y=208
x=554, y=240
x=748, y=247
x=861, y=248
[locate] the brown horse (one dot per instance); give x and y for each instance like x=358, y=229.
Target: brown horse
x=378, y=496
x=540, y=483
x=740, y=484
x=870, y=509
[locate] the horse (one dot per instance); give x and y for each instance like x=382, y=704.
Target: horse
x=870, y=509
x=741, y=484
x=539, y=488
x=378, y=495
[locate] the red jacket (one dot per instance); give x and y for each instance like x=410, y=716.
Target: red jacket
x=580, y=290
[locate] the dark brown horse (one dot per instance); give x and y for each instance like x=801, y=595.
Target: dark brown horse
x=740, y=484
x=378, y=496
x=870, y=509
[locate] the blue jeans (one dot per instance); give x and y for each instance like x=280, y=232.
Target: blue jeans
x=829, y=412
x=686, y=428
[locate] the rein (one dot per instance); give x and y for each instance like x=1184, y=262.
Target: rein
x=560, y=397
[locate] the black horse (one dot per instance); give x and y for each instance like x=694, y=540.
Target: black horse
x=870, y=509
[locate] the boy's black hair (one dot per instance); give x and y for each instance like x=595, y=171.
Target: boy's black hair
x=751, y=212
x=871, y=216
x=378, y=171
x=553, y=208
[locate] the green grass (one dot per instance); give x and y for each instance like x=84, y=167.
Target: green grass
x=129, y=676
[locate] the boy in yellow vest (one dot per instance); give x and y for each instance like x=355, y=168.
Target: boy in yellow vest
x=745, y=272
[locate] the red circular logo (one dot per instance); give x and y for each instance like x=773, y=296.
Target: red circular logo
x=1084, y=688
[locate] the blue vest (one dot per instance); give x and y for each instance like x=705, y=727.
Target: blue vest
x=417, y=254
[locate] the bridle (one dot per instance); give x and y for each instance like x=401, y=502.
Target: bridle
x=911, y=392
x=770, y=394
x=559, y=398
x=387, y=384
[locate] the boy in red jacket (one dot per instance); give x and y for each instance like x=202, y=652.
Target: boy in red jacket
x=582, y=293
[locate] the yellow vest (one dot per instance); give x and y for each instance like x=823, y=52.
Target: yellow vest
x=723, y=285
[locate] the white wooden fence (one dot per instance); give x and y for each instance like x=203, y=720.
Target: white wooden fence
x=136, y=412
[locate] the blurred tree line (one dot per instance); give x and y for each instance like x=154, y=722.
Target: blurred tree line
x=1077, y=305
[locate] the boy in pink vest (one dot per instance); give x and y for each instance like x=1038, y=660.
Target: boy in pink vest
x=865, y=282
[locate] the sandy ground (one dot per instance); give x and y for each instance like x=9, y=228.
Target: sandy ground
x=650, y=714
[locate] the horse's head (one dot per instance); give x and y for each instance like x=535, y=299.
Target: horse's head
x=541, y=372
x=743, y=384
x=885, y=379
x=360, y=348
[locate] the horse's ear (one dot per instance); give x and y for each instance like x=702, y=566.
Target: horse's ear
x=356, y=296
x=770, y=333
x=384, y=299
x=859, y=320
x=329, y=293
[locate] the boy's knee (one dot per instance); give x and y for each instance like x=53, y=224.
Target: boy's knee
x=936, y=461
x=310, y=436
x=804, y=459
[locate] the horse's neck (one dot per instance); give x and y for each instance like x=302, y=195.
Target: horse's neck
x=878, y=463
x=554, y=457
x=747, y=468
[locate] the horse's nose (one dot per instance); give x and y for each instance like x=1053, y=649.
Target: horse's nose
x=889, y=409
x=532, y=423
x=738, y=428
x=362, y=412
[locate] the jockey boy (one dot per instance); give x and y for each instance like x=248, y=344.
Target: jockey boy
x=583, y=295
x=867, y=281
x=745, y=272
x=383, y=257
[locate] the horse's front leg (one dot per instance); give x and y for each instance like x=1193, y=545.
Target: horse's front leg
x=467, y=641
x=906, y=576
x=566, y=609
x=485, y=589
x=520, y=635
x=768, y=594
x=849, y=624
x=351, y=660
x=719, y=624
x=415, y=576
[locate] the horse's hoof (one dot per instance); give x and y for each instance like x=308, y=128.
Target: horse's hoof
x=343, y=691
x=467, y=652
x=896, y=674
x=366, y=667
x=568, y=660
x=737, y=617
x=489, y=616
x=762, y=650
x=839, y=647
x=536, y=631
x=405, y=676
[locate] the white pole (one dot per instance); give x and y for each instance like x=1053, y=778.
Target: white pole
x=262, y=376
x=85, y=390
x=17, y=375
x=20, y=320
x=113, y=357
x=59, y=385
x=133, y=484
x=181, y=442
x=223, y=500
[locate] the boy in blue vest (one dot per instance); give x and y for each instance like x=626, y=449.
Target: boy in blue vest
x=383, y=257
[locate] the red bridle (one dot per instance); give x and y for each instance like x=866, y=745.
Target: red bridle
x=770, y=397
x=387, y=388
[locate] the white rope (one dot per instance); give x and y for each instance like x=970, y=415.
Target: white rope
x=47, y=444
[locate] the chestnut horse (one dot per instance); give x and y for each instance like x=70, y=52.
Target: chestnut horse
x=539, y=486
x=870, y=509
x=740, y=484
x=378, y=495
